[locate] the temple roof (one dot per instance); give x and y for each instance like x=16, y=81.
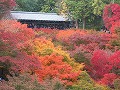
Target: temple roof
x=21, y=15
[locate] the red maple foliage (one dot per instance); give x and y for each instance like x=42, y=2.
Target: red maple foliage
x=14, y=33
x=108, y=79
x=5, y=6
x=103, y=64
x=100, y=64
x=22, y=62
x=115, y=27
x=115, y=60
x=12, y=36
x=111, y=14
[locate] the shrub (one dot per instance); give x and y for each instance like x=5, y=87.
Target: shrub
x=63, y=35
x=105, y=66
x=53, y=66
x=100, y=63
x=117, y=84
x=86, y=83
x=81, y=58
x=108, y=79
x=5, y=50
x=43, y=47
x=114, y=61
x=21, y=63
x=28, y=82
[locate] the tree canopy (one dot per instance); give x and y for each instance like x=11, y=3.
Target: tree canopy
x=36, y=5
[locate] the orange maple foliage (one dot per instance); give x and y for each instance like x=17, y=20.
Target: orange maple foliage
x=54, y=67
x=65, y=34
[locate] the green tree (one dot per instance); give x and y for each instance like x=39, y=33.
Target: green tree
x=115, y=1
x=29, y=5
x=63, y=9
x=36, y=5
x=98, y=6
x=49, y=6
x=79, y=10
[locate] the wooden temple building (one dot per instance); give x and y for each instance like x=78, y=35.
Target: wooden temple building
x=42, y=20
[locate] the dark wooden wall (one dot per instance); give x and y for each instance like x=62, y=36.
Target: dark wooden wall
x=48, y=24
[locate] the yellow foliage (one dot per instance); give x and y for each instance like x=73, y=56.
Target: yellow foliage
x=63, y=9
x=43, y=47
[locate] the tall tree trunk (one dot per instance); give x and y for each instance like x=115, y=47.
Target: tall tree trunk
x=76, y=24
x=83, y=23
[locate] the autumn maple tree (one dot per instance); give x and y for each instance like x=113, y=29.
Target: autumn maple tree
x=6, y=6
x=111, y=14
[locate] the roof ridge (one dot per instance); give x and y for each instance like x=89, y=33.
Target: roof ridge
x=23, y=12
